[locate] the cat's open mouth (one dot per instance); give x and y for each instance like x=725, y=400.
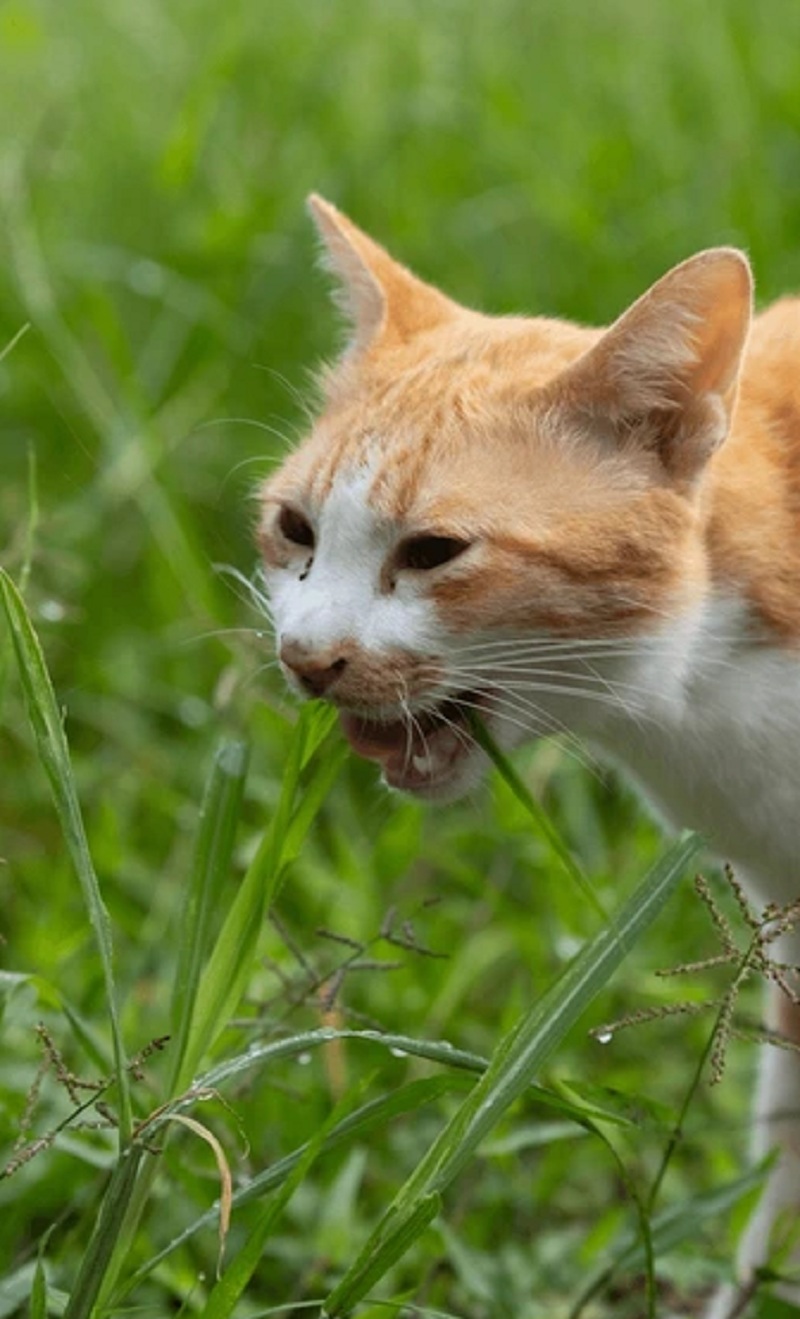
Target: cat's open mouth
x=421, y=752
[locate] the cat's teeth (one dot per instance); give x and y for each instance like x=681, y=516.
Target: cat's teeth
x=422, y=764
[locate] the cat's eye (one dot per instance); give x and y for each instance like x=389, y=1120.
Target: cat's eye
x=295, y=527
x=421, y=553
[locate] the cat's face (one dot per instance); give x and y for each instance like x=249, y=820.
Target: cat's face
x=499, y=517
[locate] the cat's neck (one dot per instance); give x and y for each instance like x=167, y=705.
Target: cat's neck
x=712, y=737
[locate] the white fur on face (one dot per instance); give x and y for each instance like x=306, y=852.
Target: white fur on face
x=340, y=598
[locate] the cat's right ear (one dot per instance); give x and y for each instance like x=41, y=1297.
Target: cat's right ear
x=383, y=301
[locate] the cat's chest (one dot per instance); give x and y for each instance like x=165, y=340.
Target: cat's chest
x=726, y=762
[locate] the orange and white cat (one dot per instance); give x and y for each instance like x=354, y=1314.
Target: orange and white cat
x=565, y=529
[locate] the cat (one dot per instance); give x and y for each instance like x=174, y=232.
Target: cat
x=594, y=531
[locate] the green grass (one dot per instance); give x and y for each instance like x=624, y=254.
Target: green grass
x=335, y=967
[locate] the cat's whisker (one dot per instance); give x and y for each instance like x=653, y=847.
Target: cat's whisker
x=558, y=689
x=459, y=678
x=462, y=734
x=530, y=670
x=645, y=645
x=254, y=595
x=568, y=661
x=257, y=422
x=412, y=724
x=258, y=634
x=533, y=720
x=300, y=399
x=512, y=698
x=621, y=694
x=511, y=645
x=264, y=668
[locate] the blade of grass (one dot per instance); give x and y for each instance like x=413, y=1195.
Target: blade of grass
x=14, y=340
x=231, y=958
x=518, y=1056
x=51, y=744
x=31, y=525
x=38, y=1307
x=372, y=1266
x=540, y=818
x=32, y=522
x=92, y=1272
x=219, y=983
x=641, y=1209
x=219, y=818
x=229, y=1288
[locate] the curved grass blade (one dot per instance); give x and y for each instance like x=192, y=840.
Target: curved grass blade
x=230, y=1286
x=373, y=1115
x=516, y=1060
x=51, y=744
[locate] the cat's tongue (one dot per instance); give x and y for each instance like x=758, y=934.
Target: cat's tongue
x=411, y=754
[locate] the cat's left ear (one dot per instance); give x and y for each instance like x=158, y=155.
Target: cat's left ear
x=383, y=301
x=664, y=377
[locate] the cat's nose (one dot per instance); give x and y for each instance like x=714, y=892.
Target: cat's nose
x=316, y=672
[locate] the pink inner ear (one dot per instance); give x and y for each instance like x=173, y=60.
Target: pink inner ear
x=665, y=375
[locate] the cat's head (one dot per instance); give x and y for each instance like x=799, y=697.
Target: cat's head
x=501, y=515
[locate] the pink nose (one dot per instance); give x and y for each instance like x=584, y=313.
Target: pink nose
x=316, y=672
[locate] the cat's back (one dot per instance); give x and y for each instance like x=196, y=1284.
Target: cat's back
x=754, y=533
x=771, y=376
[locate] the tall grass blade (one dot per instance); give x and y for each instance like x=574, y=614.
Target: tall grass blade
x=38, y=1308
x=515, y=1062
x=94, y=1265
x=212, y=862
x=51, y=744
x=229, y=964
x=406, y=1228
x=14, y=340
x=29, y=542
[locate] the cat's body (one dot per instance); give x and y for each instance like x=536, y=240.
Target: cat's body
x=565, y=528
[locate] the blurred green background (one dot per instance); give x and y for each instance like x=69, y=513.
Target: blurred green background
x=154, y=160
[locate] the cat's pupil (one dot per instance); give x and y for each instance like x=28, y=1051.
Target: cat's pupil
x=424, y=552
x=295, y=527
